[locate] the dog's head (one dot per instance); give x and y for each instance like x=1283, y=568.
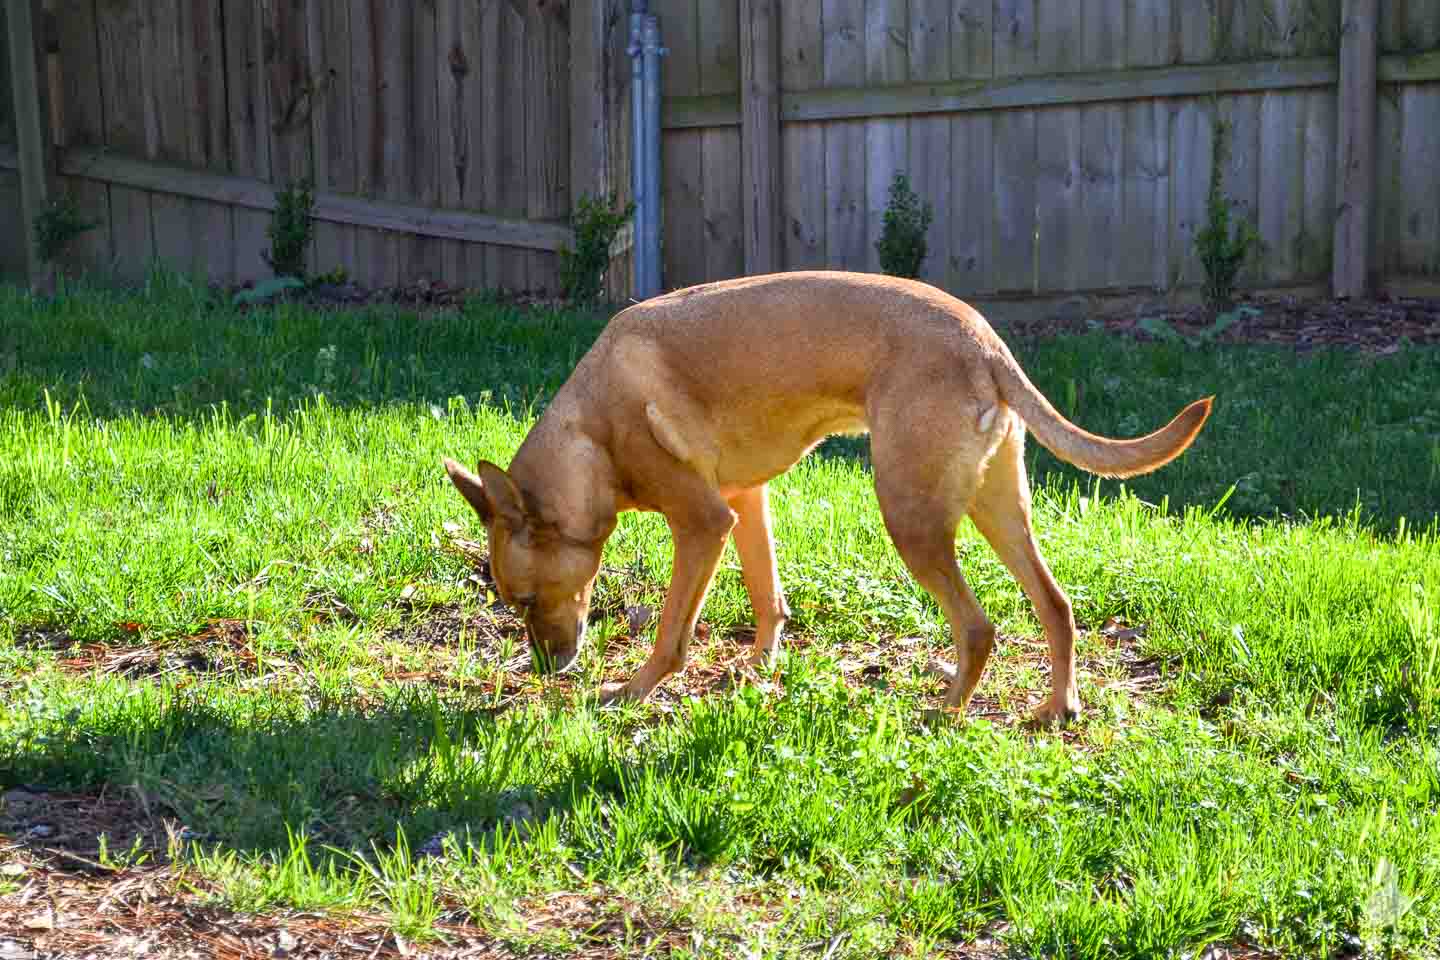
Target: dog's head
x=543, y=574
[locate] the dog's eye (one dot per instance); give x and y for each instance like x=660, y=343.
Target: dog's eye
x=525, y=603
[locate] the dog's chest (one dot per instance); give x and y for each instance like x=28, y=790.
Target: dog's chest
x=760, y=450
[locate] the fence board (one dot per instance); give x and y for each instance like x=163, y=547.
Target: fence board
x=1102, y=39
x=1389, y=135
x=972, y=209
x=210, y=225
x=1014, y=37
x=1240, y=29
x=1242, y=164
x=1282, y=126
x=125, y=88
x=84, y=125
x=1143, y=247
x=1058, y=36
x=171, y=61
x=972, y=39
x=1192, y=38
x=248, y=94
x=1317, y=243
x=1417, y=222
x=250, y=194
x=1102, y=213
x=7, y=97
x=929, y=137
x=1148, y=34
x=719, y=72
x=1059, y=253
x=13, y=263
x=843, y=22
x=802, y=145
x=1190, y=152
x=1392, y=31
x=1014, y=204
x=887, y=61
x=453, y=86
x=682, y=159
x=80, y=88
x=422, y=141
x=332, y=127
x=492, y=119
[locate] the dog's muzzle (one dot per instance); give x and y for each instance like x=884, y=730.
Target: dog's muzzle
x=556, y=661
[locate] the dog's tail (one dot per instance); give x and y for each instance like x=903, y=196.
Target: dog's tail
x=1100, y=455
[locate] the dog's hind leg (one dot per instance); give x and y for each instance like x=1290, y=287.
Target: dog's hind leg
x=1001, y=513
x=756, y=548
x=924, y=485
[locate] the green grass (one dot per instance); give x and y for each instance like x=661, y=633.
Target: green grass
x=166, y=463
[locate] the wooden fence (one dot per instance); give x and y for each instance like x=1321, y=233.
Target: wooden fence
x=445, y=138
x=1064, y=144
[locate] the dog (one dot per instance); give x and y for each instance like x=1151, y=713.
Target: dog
x=689, y=403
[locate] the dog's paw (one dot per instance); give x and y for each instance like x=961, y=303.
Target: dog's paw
x=617, y=694
x=761, y=661
x=1054, y=716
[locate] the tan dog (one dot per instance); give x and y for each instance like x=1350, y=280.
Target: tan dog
x=689, y=403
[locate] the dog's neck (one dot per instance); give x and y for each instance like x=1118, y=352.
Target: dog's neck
x=567, y=477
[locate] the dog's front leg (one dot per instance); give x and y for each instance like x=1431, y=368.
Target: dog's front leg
x=756, y=547
x=699, y=540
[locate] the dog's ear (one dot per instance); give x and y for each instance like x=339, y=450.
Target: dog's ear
x=471, y=488
x=505, y=499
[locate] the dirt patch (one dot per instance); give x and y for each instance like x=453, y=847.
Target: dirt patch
x=1378, y=326
x=37, y=637
x=423, y=296
x=221, y=648
x=152, y=913
x=82, y=831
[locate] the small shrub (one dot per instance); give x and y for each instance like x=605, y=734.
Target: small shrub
x=1223, y=246
x=58, y=225
x=290, y=229
x=902, y=241
x=582, y=269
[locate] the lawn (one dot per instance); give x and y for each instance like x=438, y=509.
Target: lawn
x=256, y=693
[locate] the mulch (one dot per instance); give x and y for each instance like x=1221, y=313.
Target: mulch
x=1380, y=326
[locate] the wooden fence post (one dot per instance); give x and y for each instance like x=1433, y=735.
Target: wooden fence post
x=31, y=126
x=1355, y=147
x=760, y=133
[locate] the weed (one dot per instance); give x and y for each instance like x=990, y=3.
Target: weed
x=57, y=226
x=290, y=229
x=1225, y=242
x=902, y=242
x=596, y=223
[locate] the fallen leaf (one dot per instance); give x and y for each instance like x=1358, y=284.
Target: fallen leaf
x=1115, y=629
x=637, y=616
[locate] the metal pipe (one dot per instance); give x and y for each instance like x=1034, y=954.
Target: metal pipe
x=635, y=51
x=650, y=209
